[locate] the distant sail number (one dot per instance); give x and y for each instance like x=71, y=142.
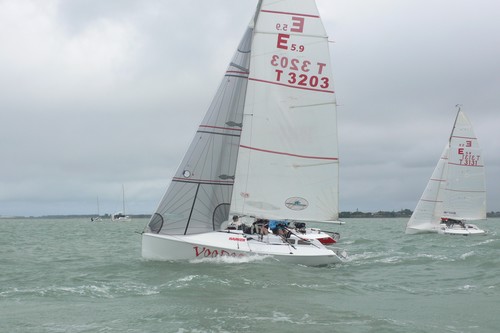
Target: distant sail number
x=468, y=158
x=297, y=25
x=287, y=68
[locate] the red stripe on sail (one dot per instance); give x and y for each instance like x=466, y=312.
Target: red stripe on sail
x=465, y=165
x=289, y=154
x=288, y=13
x=463, y=137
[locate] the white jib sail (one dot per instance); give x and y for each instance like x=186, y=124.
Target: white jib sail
x=288, y=159
x=427, y=214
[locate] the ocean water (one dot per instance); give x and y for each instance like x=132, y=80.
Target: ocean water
x=79, y=276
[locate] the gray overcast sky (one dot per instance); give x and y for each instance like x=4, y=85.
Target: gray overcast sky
x=95, y=94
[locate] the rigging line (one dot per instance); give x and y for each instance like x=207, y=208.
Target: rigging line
x=330, y=232
x=283, y=239
x=192, y=209
x=455, y=122
x=303, y=239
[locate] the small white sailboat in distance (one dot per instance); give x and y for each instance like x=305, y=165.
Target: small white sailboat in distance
x=456, y=192
x=266, y=150
x=97, y=218
x=121, y=216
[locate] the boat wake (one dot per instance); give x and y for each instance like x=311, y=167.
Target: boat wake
x=231, y=260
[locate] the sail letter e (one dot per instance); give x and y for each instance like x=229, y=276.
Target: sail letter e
x=298, y=24
x=283, y=41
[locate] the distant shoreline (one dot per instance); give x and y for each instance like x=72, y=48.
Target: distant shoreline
x=405, y=213
x=89, y=216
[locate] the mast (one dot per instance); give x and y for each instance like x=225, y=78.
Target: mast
x=459, y=106
x=123, y=198
x=257, y=11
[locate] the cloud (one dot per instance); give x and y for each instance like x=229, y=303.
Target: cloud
x=95, y=94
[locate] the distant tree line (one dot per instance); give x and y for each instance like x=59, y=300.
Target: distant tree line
x=381, y=214
x=343, y=215
x=387, y=214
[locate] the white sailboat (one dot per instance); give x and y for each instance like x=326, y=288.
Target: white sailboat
x=97, y=218
x=266, y=149
x=121, y=216
x=456, y=191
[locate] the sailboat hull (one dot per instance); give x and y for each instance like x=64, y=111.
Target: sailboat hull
x=234, y=244
x=466, y=230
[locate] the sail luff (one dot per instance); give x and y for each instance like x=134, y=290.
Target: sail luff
x=257, y=11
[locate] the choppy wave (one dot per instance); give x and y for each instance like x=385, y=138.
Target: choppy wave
x=90, y=290
x=95, y=281
x=232, y=260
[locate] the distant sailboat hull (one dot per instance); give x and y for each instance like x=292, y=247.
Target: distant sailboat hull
x=236, y=244
x=120, y=217
x=466, y=230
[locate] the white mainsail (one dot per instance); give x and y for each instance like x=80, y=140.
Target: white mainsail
x=288, y=159
x=199, y=195
x=457, y=187
x=465, y=194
